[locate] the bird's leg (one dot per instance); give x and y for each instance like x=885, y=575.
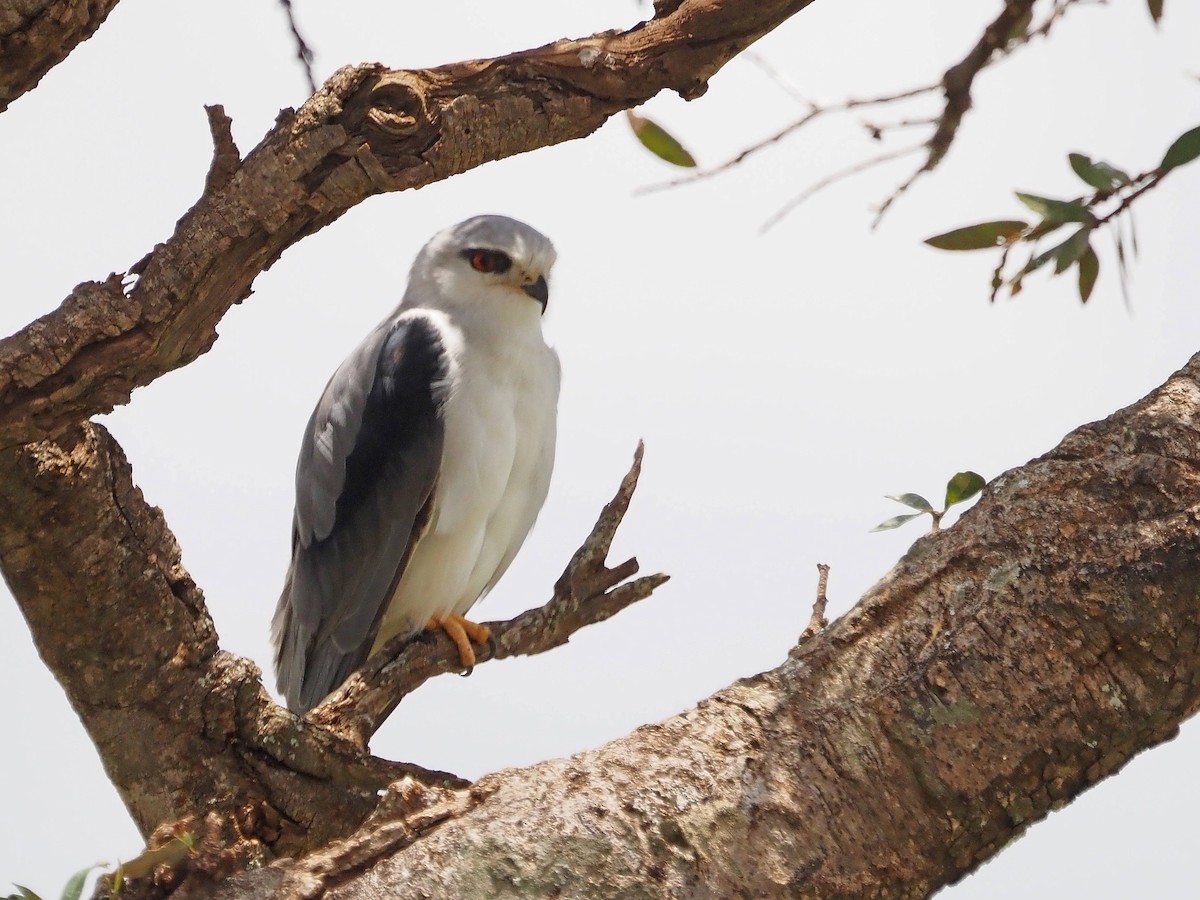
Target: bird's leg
x=462, y=632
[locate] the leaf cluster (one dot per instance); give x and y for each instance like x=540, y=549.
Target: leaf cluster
x=1109, y=204
x=960, y=488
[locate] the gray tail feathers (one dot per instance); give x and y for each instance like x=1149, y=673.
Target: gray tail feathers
x=289, y=650
x=308, y=667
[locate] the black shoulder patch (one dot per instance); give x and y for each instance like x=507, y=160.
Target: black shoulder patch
x=402, y=410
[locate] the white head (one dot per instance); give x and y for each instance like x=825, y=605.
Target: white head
x=487, y=261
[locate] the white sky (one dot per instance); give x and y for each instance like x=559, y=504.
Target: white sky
x=783, y=383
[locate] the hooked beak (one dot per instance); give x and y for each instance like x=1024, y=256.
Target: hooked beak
x=539, y=291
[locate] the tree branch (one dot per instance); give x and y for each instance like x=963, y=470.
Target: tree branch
x=124, y=628
x=304, y=52
x=1003, y=666
x=956, y=86
x=126, y=632
x=587, y=592
x=1010, y=29
x=36, y=35
x=368, y=130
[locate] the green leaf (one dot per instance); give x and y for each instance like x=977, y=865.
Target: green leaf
x=1184, y=150
x=74, y=887
x=963, y=486
x=896, y=522
x=1156, y=10
x=655, y=139
x=1089, y=269
x=916, y=501
x=1055, y=212
x=1099, y=175
x=984, y=236
x=1068, y=252
x=25, y=893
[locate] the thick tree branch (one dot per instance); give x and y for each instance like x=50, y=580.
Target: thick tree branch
x=123, y=627
x=36, y=35
x=587, y=592
x=1001, y=668
x=126, y=632
x=369, y=130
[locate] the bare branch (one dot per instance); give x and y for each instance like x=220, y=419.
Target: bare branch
x=779, y=79
x=1005, y=33
x=818, y=622
x=587, y=592
x=999, y=39
x=304, y=52
x=815, y=112
x=957, y=82
x=832, y=178
x=226, y=157
x=35, y=41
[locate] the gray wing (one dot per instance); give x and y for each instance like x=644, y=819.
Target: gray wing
x=364, y=485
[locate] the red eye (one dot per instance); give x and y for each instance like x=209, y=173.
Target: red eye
x=488, y=261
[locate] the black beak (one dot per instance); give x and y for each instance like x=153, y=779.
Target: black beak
x=539, y=291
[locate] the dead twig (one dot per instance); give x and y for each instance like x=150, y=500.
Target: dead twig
x=832, y=178
x=226, y=158
x=304, y=53
x=956, y=86
x=815, y=111
x=817, y=623
x=587, y=592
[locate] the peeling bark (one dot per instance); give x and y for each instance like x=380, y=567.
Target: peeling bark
x=36, y=35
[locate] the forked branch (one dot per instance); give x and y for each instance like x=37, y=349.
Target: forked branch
x=587, y=592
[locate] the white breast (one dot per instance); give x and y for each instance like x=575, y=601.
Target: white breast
x=500, y=426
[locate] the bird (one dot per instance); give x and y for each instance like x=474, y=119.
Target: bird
x=425, y=462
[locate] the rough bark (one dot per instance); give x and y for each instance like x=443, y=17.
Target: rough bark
x=36, y=35
x=119, y=621
x=1002, y=667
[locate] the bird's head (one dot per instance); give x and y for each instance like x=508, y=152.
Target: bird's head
x=492, y=262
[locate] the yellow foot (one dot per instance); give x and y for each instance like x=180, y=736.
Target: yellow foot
x=462, y=632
